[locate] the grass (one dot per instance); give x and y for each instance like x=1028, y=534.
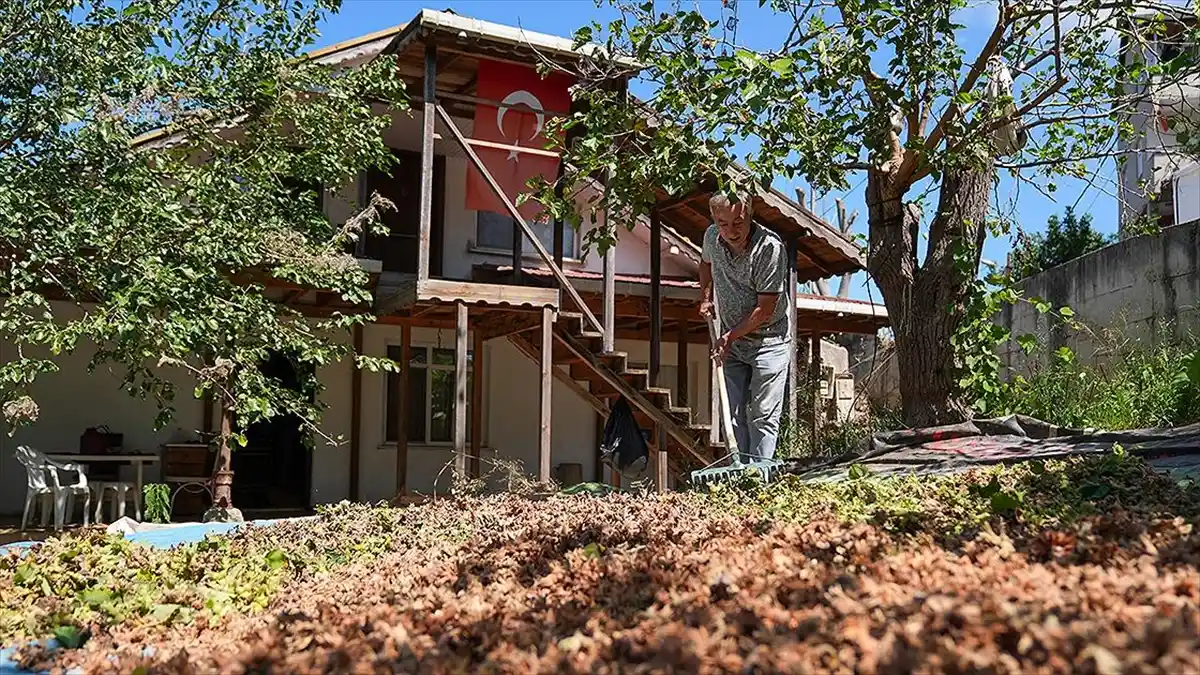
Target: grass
x=1132, y=386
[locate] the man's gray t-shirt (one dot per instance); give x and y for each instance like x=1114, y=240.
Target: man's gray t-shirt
x=738, y=280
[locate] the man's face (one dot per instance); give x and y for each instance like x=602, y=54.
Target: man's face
x=733, y=224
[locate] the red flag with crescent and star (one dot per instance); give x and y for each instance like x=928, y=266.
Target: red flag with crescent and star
x=527, y=101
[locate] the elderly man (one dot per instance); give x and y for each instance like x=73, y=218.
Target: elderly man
x=745, y=265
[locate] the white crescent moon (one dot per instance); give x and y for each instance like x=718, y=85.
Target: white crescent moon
x=518, y=97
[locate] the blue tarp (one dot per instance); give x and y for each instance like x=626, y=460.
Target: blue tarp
x=166, y=537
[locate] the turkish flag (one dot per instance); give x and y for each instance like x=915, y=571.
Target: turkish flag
x=526, y=104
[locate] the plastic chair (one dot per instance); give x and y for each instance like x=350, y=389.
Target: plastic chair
x=122, y=492
x=39, y=468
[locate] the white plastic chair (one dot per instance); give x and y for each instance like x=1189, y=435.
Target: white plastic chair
x=122, y=492
x=39, y=468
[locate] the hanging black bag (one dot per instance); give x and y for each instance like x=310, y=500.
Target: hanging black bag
x=624, y=445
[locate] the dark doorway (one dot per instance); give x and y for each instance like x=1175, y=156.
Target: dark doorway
x=402, y=186
x=274, y=470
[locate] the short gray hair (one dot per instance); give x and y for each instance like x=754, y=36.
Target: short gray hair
x=720, y=200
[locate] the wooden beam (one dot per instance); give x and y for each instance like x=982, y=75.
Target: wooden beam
x=655, y=297
x=460, y=391
x=356, y=415
x=546, y=395
x=518, y=245
x=445, y=290
x=505, y=326
x=661, y=465
x=793, y=381
x=608, y=299
x=563, y=281
x=426, y=216
x=526, y=348
x=668, y=204
x=402, y=414
x=714, y=403
x=476, y=402
x=559, y=223
x=681, y=365
x=815, y=376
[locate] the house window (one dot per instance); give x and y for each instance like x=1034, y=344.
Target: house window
x=495, y=231
x=430, y=404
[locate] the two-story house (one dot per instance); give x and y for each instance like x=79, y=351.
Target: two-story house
x=512, y=350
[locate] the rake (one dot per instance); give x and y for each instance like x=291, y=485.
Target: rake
x=769, y=469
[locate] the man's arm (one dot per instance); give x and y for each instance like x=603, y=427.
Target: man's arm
x=705, y=282
x=760, y=313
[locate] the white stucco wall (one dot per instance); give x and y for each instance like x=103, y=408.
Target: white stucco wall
x=71, y=400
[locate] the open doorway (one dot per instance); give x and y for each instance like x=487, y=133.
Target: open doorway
x=274, y=470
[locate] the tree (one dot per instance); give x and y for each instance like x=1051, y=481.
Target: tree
x=162, y=240
x=872, y=87
x=1064, y=240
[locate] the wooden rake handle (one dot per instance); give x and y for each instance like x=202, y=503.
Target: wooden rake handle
x=722, y=391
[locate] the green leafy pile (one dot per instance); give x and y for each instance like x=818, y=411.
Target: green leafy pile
x=73, y=586
x=1033, y=495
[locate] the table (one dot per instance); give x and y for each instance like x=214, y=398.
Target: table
x=138, y=460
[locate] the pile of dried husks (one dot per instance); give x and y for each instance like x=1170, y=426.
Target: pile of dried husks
x=1078, y=566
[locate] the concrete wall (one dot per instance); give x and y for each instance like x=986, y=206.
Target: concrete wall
x=1139, y=288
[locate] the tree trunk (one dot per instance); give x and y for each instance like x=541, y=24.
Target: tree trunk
x=925, y=302
x=223, y=476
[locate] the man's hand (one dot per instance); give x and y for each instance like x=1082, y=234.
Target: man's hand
x=706, y=309
x=721, y=348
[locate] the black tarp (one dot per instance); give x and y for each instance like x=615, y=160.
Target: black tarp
x=959, y=447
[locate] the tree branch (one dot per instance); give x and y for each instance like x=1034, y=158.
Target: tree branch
x=977, y=70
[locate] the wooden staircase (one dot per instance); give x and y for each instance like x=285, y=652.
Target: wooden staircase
x=601, y=378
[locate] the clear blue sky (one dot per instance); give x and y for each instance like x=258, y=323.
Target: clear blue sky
x=757, y=28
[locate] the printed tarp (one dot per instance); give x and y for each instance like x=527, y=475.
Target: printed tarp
x=960, y=447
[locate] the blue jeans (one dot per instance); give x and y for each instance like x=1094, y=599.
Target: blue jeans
x=756, y=375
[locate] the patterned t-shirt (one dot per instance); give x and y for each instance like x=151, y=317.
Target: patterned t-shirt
x=738, y=280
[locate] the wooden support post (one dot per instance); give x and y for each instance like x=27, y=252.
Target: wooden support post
x=559, y=224
x=681, y=364
x=402, y=432
x=460, y=389
x=610, y=300
x=223, y=476
x=655, y=297
x=518, y=245
x=476, y=402
x=356, y=416
x=714, y=403
x=546, y=395
x=815, y=386
x=793, y=389
x=429, y=107
x=661, y=466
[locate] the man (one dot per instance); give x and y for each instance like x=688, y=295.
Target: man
x=745, y=265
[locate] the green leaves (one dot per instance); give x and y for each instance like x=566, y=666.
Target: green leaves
x=1000, y=501
x=171, y=253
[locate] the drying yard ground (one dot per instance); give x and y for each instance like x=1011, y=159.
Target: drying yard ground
x=1085, y=565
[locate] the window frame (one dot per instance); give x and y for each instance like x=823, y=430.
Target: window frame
x=428, y=367
x=571, y=239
